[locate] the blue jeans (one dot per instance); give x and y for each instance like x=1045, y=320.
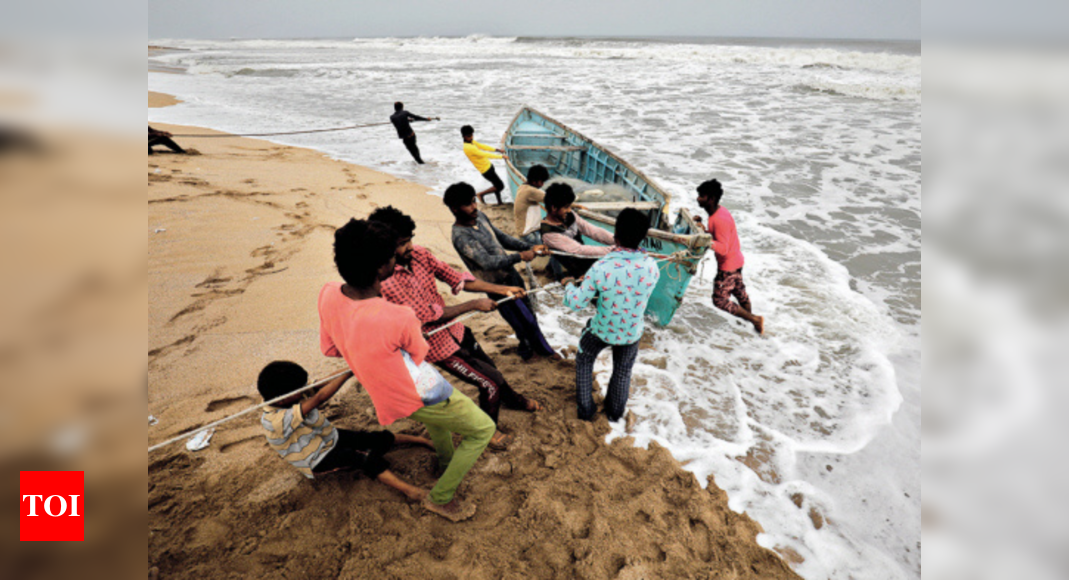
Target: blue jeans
x=623, y=360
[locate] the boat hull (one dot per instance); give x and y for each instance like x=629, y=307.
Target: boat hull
x=533, y=138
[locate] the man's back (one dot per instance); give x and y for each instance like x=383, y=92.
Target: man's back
x=527, y=196
x=726, y=245
x=303, y=440
x=622, y=281
x=415, y=288
x=400, y=121
x=480, y=155
x=370, y=335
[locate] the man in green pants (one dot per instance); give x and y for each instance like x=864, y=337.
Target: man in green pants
x=384, y=346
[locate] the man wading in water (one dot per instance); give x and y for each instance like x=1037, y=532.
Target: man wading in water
x=400, y=120
x=728, y=257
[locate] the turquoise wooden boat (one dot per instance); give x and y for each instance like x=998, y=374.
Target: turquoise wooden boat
x=534, y=138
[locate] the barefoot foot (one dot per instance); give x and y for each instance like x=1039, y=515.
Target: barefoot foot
x=759, y=325
x=417, y=494
x=500, y=441
x=453, y=511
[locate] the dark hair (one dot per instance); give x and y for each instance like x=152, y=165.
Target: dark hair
x=361, y=248
x=537, y=173
x=398, y=106
x=396, y=219
x=711, y=189
x=280, y=377
x=631, y=227
x=458, y=195
x=559, y=195
x=467, y=131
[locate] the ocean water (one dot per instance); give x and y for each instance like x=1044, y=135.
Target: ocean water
x=814, y=430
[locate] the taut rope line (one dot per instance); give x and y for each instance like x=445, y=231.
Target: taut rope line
x=468, y=315
x=346, y=128
x=188, y=434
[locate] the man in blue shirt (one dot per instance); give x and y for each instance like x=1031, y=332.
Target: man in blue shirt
x=621, y=283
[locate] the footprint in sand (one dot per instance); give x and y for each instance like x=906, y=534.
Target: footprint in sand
x=228, y=402
x=213, y=281
x=240, y=444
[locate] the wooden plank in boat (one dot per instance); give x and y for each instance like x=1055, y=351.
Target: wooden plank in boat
x=532, y=134
x=548, y=147
x=617, y=205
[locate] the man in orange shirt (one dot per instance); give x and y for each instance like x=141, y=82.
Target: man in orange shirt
x=384, y=346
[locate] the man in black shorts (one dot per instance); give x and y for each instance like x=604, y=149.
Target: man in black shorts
x=478, y=155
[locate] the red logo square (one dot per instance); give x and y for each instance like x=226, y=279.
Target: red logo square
x=52, y=506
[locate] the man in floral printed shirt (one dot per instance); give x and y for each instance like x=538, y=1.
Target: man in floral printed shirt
x=454, y=350
x=622, y=283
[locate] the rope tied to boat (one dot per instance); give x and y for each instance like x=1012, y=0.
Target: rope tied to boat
x=680, y=259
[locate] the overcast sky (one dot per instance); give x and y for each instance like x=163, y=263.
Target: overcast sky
x=883, y=19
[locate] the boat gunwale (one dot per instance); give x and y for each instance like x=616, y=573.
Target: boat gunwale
x=651, y=183
x=693, y=242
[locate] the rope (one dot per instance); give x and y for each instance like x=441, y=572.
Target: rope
x=346, y=128
x=468, y=315
x=678, y=259
x=533, y=282
x=188, y=434
x=570, y=255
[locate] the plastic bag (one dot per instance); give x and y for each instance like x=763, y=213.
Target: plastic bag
x=431, y=386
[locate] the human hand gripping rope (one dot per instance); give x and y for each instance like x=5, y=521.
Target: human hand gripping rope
x=321, y=382
x=464, y=317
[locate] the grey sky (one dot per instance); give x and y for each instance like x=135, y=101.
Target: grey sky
x=886, y=19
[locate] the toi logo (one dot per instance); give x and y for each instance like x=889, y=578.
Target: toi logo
x=51, y=506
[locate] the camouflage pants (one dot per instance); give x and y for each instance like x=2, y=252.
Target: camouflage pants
x=726, y=285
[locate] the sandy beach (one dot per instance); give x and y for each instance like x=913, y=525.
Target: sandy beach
x=239, y=244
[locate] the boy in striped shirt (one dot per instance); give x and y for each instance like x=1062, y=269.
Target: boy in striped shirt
x=304, y=437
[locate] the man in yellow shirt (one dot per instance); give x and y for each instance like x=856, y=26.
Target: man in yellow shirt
x=478, y=155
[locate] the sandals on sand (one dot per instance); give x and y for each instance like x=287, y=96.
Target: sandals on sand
x=453, y=511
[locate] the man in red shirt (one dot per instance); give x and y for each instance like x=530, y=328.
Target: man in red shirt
x=728, y=257
x=384, y=346
x=455, y=349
